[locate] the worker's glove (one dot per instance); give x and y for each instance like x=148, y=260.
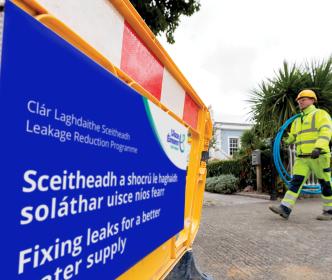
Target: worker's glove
x=315, y=153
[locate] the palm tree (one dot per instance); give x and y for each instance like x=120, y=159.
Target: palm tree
x=319, y=78
x=274, y=100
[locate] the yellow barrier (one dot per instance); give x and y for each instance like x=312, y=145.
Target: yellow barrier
x=161, y=261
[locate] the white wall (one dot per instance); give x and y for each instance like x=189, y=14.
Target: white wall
x=224, y=131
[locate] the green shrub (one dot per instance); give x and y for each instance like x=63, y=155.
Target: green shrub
x=224, y=167
x=210, y=183
x=241, y=168
x=225, y=184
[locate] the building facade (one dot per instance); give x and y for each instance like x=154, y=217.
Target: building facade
x=227, y=137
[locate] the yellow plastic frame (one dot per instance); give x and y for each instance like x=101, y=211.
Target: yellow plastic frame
x=160, y=262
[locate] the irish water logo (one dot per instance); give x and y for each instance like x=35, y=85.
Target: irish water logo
x=176, y=140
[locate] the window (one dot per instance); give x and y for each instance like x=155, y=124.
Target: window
x=233, y=145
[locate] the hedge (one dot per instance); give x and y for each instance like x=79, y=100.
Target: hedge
x=243, y=170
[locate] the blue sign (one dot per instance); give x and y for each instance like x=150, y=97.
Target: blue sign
x=92, y=174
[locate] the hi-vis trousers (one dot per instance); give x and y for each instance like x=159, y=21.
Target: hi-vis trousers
x=301, y=170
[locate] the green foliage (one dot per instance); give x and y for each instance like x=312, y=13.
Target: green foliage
x=210, y=183
x=273, y=102
x=319, y=78
x=225, y=184
x=223, y=167
x=268, y=170
x=240, y=168
x=164, y=15
x=250, y=141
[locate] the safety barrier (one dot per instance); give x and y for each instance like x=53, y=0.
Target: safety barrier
x=128, y=40
x=1, y=26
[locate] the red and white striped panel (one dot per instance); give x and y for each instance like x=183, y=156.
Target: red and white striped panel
x=139, y=63
x=104, y=28
x=97, y=22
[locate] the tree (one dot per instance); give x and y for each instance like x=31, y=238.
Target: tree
x=274, y=100
x=164, y=15
x=249, y=141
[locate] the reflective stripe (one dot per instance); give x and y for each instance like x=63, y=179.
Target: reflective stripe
x=308, y=130
x=313, y=125
x=324, y=137
x=327, y=202
x=327, y=208
x=291, y=195
x=305, y=142
x=290, y=201
x=310, y=134
x=287, y=204
x=325, y=125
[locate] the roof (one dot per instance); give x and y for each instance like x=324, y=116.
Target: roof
x=232, y=126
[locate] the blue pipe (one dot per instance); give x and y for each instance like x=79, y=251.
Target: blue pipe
x=284, y=175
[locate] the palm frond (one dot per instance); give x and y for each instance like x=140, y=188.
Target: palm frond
x=273, y=101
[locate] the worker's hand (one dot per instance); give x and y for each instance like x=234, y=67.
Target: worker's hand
x=315, y=153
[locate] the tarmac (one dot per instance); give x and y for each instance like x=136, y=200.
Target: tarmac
x=240, y=238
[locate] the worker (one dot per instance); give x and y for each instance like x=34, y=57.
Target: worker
x=311, y=133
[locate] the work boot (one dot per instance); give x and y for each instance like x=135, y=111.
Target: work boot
x=326, y=216
x=282, y=210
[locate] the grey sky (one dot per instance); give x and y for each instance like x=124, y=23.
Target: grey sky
x=229, y=47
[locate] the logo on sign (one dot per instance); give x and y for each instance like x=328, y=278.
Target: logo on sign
x=176, y=140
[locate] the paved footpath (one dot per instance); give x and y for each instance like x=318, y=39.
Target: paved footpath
x=240, y=238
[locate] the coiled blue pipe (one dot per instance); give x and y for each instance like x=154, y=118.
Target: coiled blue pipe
x=284, y=175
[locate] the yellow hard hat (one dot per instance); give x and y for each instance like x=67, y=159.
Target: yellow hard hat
x=307, y=93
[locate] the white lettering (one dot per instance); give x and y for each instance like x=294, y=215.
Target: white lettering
x=30, y=181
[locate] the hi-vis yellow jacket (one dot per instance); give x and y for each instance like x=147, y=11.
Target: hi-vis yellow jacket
x=312, y=130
